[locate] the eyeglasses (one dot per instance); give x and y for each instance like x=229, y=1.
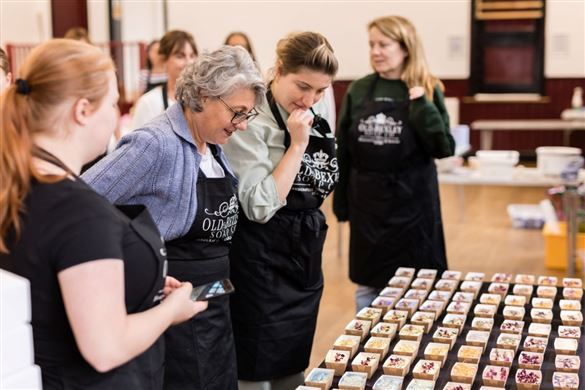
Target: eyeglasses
x=240, y=117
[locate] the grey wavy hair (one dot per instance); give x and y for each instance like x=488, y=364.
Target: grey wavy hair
x=219, y=73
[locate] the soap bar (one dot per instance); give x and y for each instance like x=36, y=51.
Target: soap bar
x=366, y=362
x=502, y=278
x=388, y=382
x=524, y=279
x=426, y=369
x=565, y=381
x=353, y=381
x=528, y=379
x=337, y=360
x=475, y=276
x=392, y=292
x=397, y=365
x=321, y=378
x=567, y=363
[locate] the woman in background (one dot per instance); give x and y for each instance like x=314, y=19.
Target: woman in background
x=154, y=75
x=178, y=49
x=174, y=164
x=392, y=125
x=97, y=275
x=238, y=38
x=286, y=165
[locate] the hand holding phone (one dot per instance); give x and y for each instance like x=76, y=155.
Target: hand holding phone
x=212, y=290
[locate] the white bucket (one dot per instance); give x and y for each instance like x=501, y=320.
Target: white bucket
x=497, y=163
x=552, y=160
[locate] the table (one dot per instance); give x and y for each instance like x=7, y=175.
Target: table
x=548, y=366
x=487, y=127
x=522, y=177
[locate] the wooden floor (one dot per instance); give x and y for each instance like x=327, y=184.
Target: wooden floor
x=478, y=238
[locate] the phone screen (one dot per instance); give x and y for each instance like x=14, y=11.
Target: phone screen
x=212, y=290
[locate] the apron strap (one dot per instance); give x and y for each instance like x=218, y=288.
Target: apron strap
x=165, y=96
x=44, y=155
x=274, y=109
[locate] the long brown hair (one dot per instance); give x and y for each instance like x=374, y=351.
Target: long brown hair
x=55, y=75
x=415, y=71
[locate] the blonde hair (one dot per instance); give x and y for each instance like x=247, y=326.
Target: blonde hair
x=307, y=49
x=415, y=71
x=55, y=73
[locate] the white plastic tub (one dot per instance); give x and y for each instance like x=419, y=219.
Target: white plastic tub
x=497, y=163
x=526, y=216
x=552, y=160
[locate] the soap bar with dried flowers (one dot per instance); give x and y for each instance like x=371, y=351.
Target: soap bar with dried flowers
x=426, y=369
x=397, y=365
x=337, y=360
x=528, y=379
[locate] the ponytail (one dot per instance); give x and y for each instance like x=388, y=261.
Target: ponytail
x=54, y=74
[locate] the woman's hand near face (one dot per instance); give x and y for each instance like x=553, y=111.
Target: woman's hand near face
x=299, y=126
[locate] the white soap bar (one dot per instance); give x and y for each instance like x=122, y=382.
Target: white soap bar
x=16, y=349
x=28, y=378
x=14, y=300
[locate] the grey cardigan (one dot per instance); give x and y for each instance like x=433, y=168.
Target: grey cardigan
x=156, y=165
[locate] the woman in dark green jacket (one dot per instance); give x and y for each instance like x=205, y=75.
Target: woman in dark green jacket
x=393, y=124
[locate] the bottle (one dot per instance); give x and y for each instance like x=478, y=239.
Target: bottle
x=577, y=99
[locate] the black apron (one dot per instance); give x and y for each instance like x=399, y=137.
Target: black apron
x=276, y=268
x=146, y=370
x=393, y=196
x=200, y=352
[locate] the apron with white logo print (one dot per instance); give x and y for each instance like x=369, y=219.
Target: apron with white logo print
x=200, y=352
x=276, y=268
x=393, y=195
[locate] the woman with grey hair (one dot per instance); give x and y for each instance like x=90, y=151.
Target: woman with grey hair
x=175, y=166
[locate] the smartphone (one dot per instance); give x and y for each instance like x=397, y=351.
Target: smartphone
x=212, y=290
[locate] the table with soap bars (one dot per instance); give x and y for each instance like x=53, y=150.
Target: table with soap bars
x=458, y=331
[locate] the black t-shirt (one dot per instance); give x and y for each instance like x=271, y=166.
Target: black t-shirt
x=66, y=224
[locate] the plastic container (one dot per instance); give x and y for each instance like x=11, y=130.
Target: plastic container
x=555, y=247
x=526, y=216
x=552, y=160
x=497, y=163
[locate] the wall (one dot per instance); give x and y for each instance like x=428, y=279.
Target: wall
x=565, y=38
x=343, y=23
x=25, y=21
x=442, y=24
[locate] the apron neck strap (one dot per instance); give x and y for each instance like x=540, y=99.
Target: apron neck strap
x=44, y=155
x=165, y=96
x=274, y=108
